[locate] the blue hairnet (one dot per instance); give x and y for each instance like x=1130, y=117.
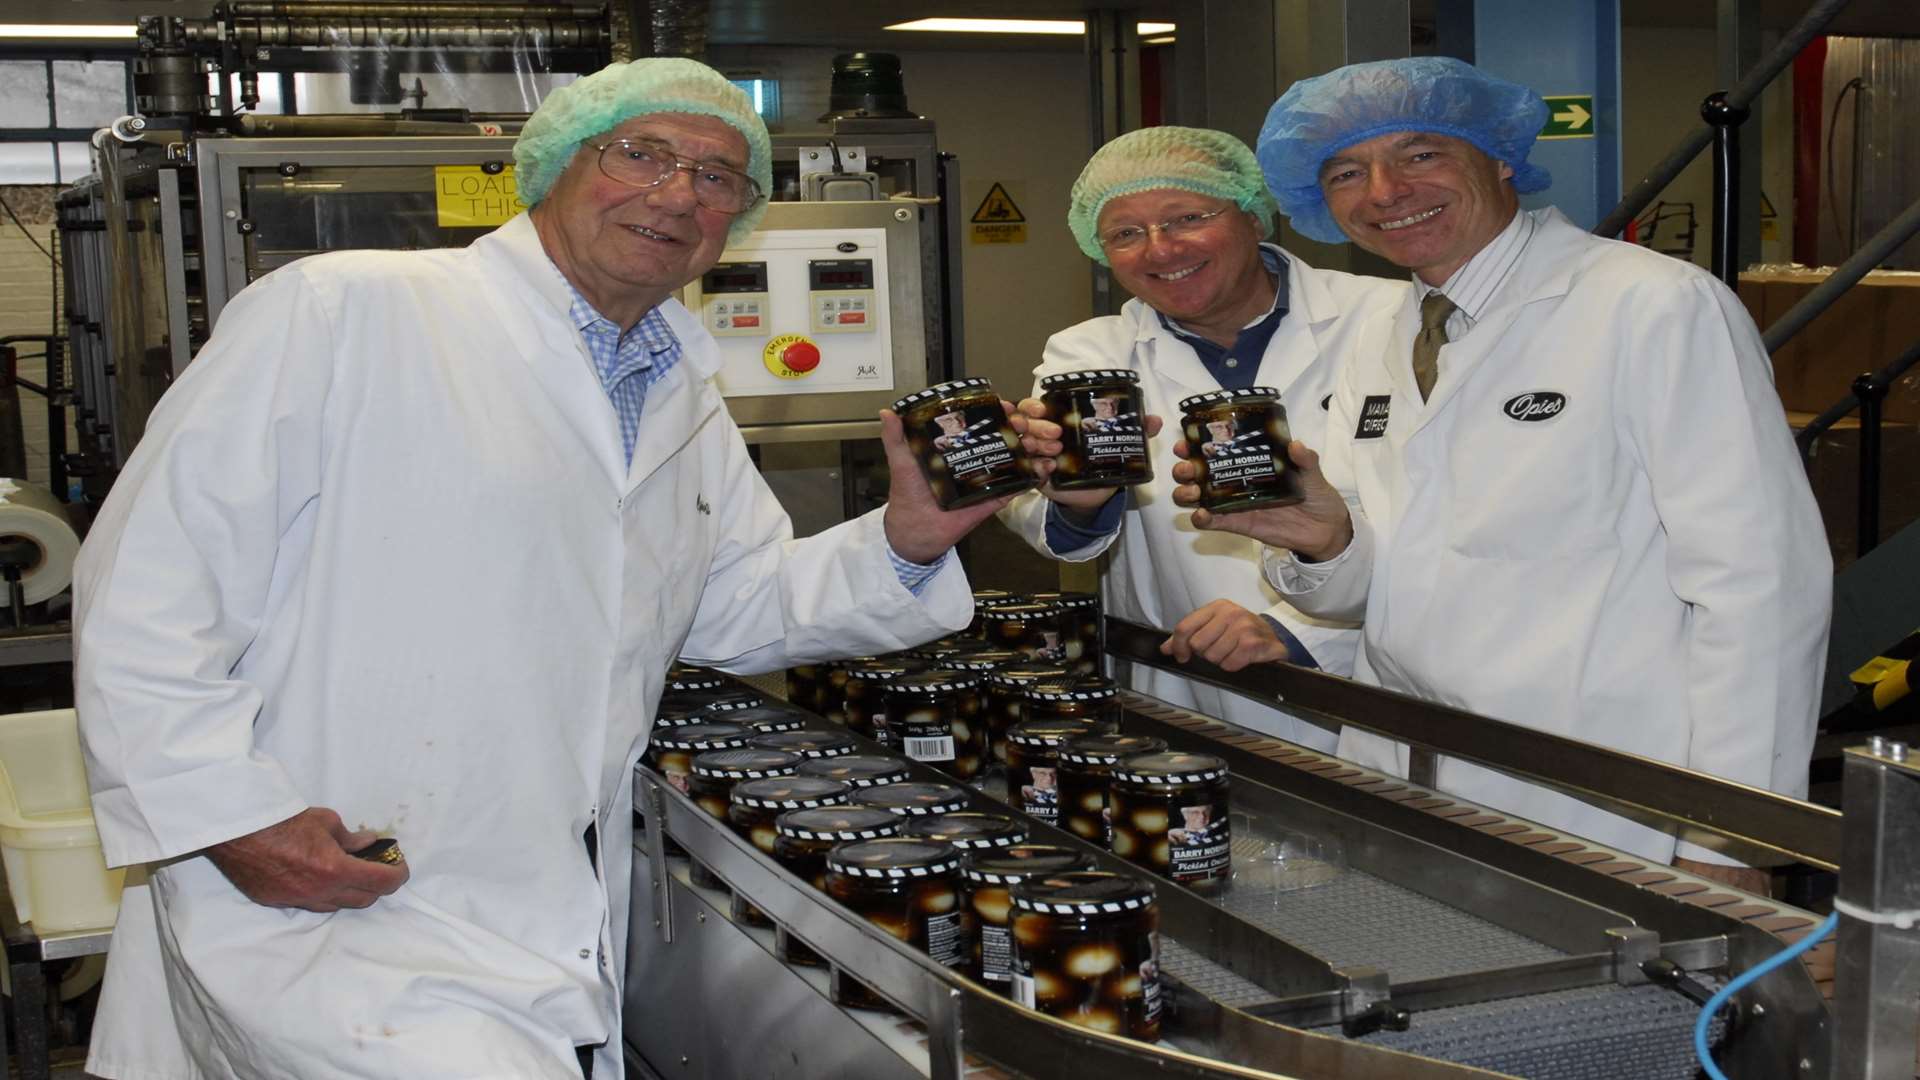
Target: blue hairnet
x=1319, y=117
x=1211, y=163
x=619, y=92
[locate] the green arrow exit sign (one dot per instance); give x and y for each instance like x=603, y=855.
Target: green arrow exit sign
x=1569, y=116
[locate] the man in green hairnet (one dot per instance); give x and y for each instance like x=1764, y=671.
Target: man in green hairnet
x=1181, y=216
x=406, y=554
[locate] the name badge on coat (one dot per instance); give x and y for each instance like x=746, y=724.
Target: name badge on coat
x=1373, y=417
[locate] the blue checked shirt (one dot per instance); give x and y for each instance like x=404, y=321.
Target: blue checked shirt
x=629, y=364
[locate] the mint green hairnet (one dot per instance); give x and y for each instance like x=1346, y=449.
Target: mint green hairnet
x=619, y=92
x=1205, y=162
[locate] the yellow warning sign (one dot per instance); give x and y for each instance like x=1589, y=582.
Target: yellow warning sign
x=468, y=196
x=998, y=220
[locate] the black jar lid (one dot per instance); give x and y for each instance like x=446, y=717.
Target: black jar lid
x=788, y=793
x=1050, y=732
x=678, y=714
x=984, y=597
x=983, y=660
x=1017, y=676
x=915, y=797
x=1169, y=769
x=745, y=763
x=969, y=829
x=807, y=742
x=1071, y=601
x=1067, y=380
x=764, y=719
x=932, y=683
x=947, y=646
x=860, y=770
x=1077, y=688
x=885, y=668
x=956, y=388
x=894, y=857
x=705, y=735
x=729, y=696
x=1108, y=749
x=688, y=677
x=1004, y=866
x=1030, y=611
x=1229, y=397
x=837, y=823
x=1082, y=892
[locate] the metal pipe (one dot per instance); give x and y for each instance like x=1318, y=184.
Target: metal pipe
x=419, y=9
x=1656, y=180
x=1859, y=166
x=1725, y=118
x=1871, y=393
x=1897, y=232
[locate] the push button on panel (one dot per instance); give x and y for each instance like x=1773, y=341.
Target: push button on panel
x=791, y=356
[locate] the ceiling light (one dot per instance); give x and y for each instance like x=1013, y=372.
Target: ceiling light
x=1146, y=28
x=68, y=30
x=995, y=26
x=1166, y=40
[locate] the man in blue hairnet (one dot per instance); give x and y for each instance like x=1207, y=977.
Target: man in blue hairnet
x=1565, y=495
x=407, y=552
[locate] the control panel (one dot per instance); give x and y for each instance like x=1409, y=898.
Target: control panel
x=800, y=311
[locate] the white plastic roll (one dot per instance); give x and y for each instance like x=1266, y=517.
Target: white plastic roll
x=29, y=512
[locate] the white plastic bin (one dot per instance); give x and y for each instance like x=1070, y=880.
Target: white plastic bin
x=55, y=871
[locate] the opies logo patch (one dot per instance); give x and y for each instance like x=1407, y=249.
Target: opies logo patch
x=1535, y=406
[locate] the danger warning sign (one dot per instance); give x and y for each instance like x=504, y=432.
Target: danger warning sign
x=998, y=220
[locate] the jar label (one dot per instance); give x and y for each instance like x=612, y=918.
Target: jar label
x=878, y=718
x=1111, y=430
x=1023, y=990
x=1150, y=982
x=1040, y=795
x=944, y=939
x=996, y=953
x=1198, y=844
x=933, y=748
x=970, y=439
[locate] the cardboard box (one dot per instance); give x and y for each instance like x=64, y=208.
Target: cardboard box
x=1870, y=325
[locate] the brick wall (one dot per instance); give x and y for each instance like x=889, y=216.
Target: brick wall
x=28, y=301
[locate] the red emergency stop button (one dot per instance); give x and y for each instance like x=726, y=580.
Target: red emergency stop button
x=801, y=356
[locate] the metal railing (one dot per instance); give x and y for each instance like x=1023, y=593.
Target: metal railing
x=1869, y=394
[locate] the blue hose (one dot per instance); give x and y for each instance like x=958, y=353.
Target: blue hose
x=1745, y=980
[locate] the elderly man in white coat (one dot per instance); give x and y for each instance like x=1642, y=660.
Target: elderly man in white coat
x=407, y=552
x=1179, y=214
x=1571, y=497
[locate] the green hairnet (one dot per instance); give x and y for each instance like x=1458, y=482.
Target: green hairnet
x=1190, y=159
x=619, y=92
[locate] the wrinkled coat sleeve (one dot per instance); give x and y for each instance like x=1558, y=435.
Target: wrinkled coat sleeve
x=1746, y=549
x=1336, y=589
x=772, y=601
x=172, y=582
x=1078, y=349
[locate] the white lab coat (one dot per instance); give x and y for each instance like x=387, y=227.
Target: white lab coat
x=1643, y=567
x=379, y=551
x=1162, y=568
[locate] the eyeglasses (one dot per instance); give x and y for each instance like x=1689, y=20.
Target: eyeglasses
x=1129, y=237
x=644, y=164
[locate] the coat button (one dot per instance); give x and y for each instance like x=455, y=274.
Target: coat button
x=586, y=954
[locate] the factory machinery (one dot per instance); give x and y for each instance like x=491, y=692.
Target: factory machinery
x=1373, y=927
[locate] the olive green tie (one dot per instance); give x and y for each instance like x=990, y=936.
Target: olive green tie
x=1434, y=311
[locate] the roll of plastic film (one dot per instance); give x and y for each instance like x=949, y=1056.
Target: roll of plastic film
x=30, y=514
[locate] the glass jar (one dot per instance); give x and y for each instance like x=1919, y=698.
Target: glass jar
x=987, y=598
x=982, y=664
x=1086, y=769
x=711, y=786
x=968, y=451
x=969, y=830
x=1033, y=763
x=1032, y=629
x=914, y=798
x=763, y=718
x=1081, y=628
x=867, y=680
x=1006, y=696
x=1103, y=426
x=1086, y=949
x=1169, y=813
x=1076, y=697
x=753, y=807
x=821, y=688
x=985, y=877
x=859, y=770
x=801, y=841
x=936, y=715
x=809, y=743
x=671, y=752
x=909, y=888
x=1239, y=439
x=938, y=650
x=684, y=677
x=677, y=714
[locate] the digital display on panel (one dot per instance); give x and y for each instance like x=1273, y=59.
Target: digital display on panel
x=841, y=273
x=735, y=278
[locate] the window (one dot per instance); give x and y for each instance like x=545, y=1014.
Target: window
x=764, y=92
x=49, y=109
